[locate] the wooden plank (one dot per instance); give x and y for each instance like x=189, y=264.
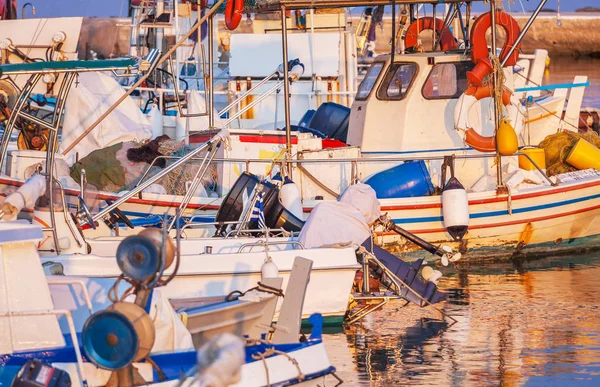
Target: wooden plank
x=573, y=110
x=263, y=326
x=287, y=329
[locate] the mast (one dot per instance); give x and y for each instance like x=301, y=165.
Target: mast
x=286, y=88
x=495, y=86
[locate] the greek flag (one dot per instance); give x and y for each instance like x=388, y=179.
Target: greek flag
x=258, y=213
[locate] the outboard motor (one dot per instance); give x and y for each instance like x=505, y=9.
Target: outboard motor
x=232, y=207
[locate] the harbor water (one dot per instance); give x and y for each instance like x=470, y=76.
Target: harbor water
x=564, y=70
x=534, y=323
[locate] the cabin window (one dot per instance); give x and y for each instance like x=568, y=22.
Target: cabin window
x=397, y=81
x=369, y=81
x=447, y=80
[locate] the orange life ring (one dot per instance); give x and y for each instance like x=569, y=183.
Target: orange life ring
x=461, y=116
x=234, y=10
x=479, y=47
x=447, y=41
x=137, y=3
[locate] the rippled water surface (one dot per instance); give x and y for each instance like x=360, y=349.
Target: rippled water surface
x=529, y=324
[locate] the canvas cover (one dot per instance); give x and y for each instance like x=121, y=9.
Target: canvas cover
x=343, y=221
x=91, y=97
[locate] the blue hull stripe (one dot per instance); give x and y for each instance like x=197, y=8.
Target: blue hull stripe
x=426, y=219
x=500, y=213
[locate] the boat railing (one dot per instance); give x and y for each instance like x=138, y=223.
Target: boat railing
x=266, y=231
x=72, y=332
x=70, y=282
x=239, y=97
x=191, y=223
x=266, y=244
x=353, y=161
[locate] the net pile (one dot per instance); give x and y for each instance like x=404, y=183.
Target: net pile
x=557, y=147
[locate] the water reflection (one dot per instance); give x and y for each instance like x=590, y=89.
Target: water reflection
x=527, y=323
x=564, y=70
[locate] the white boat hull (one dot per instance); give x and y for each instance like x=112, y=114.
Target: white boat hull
x=566, y=216
x=330, y=284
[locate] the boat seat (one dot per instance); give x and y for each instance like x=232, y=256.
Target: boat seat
x=36, y=67
x=407, y=273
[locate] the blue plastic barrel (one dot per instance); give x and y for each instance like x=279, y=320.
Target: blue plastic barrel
x=402, y=181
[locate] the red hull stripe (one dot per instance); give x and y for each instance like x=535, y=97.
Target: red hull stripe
x=268, y=139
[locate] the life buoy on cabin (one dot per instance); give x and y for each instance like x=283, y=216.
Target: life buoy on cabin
x=137, y=3
x=461, y=116
x=479, y=47
x=234, y=10
x=447, y=41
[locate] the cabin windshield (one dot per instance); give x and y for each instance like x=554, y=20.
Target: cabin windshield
x=447, y=80
x=369, y=81
x=397, y=81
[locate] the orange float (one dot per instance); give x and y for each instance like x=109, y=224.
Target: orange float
x=234, y=10
x=479, y=47
x=447, y=41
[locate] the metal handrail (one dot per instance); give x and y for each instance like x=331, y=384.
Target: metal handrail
x=265, y=230
x=191, y=224
x=358, y=160
x=67, y=282
x=72, y=332
x=255, y=102
x=247, y=92
x=265, y=243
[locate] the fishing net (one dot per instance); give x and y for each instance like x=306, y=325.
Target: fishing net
x=112, y=169
x=557, y=147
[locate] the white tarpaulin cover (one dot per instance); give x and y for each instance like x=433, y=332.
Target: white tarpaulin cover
x=171, y=334
x=258, y=55
x=344, y=221
x=363, y=198
x=88, y=100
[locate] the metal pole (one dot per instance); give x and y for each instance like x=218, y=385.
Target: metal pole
x=467, y=25
x=211, y=67
x=450, y=16
x=433, y=29
x=166, y=56
x=393, y=30
x=524, y=31
x=286, y=85
x=495, y=85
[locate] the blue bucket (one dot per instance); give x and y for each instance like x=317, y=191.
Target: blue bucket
x=406, y=180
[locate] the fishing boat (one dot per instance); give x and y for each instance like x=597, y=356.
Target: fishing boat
x=337, y=147
x=117, y=345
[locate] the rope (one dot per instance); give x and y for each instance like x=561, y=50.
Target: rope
x=317, y=182
x=261, y=288
x=270, y=352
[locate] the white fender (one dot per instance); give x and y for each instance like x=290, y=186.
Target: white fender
x=156, y=121
x=455, y=209
x=269, y=270
x=290, y=198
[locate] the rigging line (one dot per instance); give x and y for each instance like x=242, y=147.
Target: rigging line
x=562, y=119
